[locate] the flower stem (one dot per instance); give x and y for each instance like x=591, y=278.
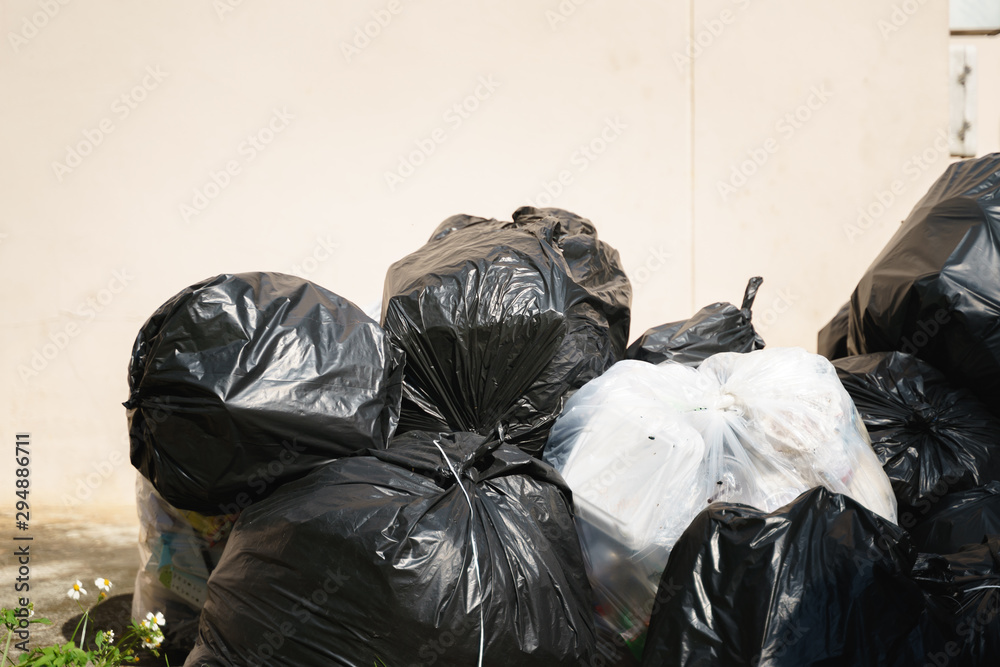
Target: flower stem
x=82, y=620
x=10, y=635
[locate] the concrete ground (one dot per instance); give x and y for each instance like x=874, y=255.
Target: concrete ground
x=67, y=546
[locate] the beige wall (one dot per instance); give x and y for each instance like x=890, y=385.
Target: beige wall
x=87, y=252
x=838, y=97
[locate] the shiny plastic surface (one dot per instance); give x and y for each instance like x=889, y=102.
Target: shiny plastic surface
x=959, y=519
x=932, y=438
x=821, y=582
x=960, y=622
x=242, y=382
x=720, y=327
x=502, y=321
x=934, y=291
x=646, y=447
x=372, y=560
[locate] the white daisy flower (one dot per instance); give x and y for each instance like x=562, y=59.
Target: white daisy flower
x=103, y=584
x=76, y=591
x=109, y=636
x=156, y=619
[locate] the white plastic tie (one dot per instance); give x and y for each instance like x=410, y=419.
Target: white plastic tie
x=475, y=552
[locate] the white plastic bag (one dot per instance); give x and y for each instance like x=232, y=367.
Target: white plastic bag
x=646, y=447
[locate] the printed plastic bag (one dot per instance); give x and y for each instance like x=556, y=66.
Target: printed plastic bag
x=934, y=291
x=646, y=447
x=720, y=327
x=244, y=381
x=443, y=549
x=502, y=321
x=178, y=550
x=931, y=438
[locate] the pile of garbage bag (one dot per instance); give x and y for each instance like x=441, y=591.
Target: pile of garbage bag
x=647, y=447
x=492, y=475
x=387, y=478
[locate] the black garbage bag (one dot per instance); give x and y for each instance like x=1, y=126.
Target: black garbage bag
x=832, y=339
x=959, y=519
x=720, y=327
x=244, y=381
x=502, y=321
x=931, y=437
x=960, y=624
x=934, y=291
x=821, y=581
x=385, y=559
